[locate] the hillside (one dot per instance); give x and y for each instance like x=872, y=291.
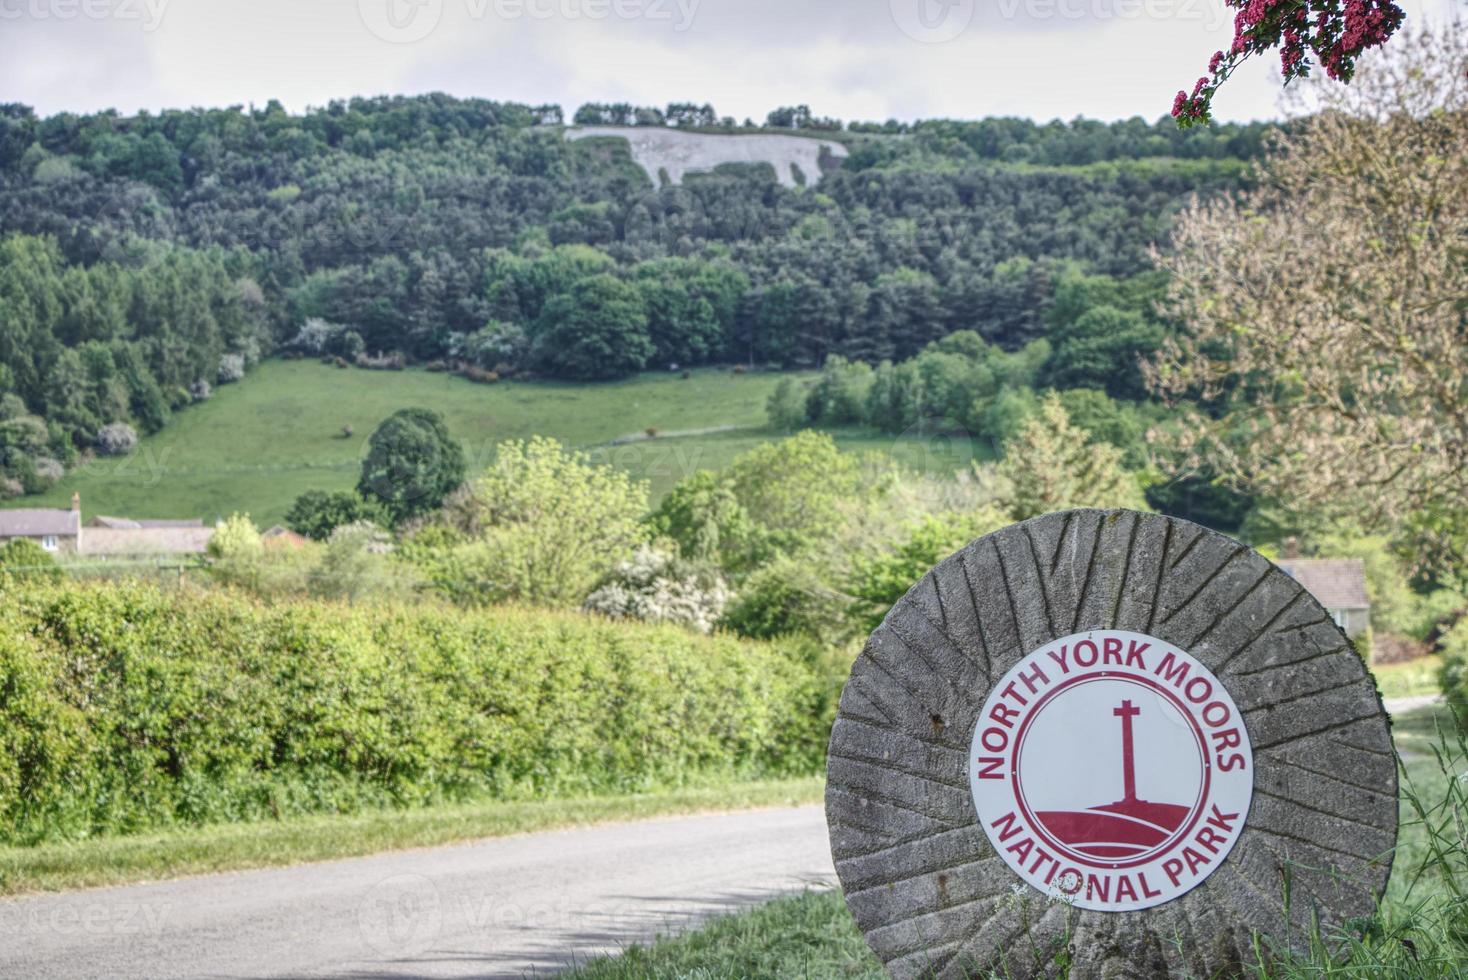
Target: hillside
x=152, y=258
x=258, y=444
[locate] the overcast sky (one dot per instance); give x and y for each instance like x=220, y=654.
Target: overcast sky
x=854, y=59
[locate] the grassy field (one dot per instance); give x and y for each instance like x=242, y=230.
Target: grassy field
x=812, y=935
x=257, y=444
x=1407, y=679
x=232, y=847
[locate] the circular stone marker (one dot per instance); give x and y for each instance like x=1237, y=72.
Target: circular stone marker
x=1106, y=739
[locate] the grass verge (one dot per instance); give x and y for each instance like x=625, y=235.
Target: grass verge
x=234, y=847
x=809, y=936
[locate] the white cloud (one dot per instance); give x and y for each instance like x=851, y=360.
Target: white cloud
x=855, y=59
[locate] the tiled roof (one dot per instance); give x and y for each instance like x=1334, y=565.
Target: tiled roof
x=1338, y=583
x=128, y=522
x=35, y=523
x=115, y=541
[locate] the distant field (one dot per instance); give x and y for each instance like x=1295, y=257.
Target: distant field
x=258, y=444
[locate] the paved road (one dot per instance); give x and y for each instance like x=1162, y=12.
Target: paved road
x=1402, y=705
x=508, y=907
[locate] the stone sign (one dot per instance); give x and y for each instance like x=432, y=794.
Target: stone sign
x=1108, y=741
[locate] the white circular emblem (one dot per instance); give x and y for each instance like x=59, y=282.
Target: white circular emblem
x=1111, y=770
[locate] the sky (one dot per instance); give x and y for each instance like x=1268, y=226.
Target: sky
x=852, y=59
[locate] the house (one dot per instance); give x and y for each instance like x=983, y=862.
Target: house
x=145, y=542
x=125, y=523
x=61, y=532
x=1338, y=584
x=54, y=529
x=282, y=537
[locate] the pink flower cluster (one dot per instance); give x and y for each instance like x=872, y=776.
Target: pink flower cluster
x=1336, y=35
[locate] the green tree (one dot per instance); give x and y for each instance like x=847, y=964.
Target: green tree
x=785, y=408
x=542, y=525
x=1051, y=465
x=704, y=518
x=791, y=491
x=595, y=331
x=878, y=581
x=1103, y=348
x=412, y=464
x=316, y=513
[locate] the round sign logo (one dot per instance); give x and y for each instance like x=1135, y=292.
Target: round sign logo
x=1111, y=770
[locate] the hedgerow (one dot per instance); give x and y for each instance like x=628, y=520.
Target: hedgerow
x=129, y=707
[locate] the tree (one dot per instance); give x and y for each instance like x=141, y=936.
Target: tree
x=1325, y=309
x=1334, y=32
x=791, y=491
x=703, y=517
x=412, y=464
x=596, y=331
x=542, y=525
x=316, y=513
x=785, y=408
x=1051, y=465
x=877, y=581
x=1103, y=348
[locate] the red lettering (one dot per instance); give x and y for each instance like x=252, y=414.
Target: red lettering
x=1101, y=885
x=1233, y=762
x=1147, y=890
x=1111, y=654
x=1172, y=867
x=1210, y=706
x=1134, y=654
x=989, y=767
x=1220, y=819
x=1208, y=837
x=1195, y=860
x=1198, y=698
x=1177, y=674
x=1125, y=890
x=1021, y=850
x=998, y=743
x=1009, y=826
x=1060, y=660
x=1034, y=678
x=1002, y=713
x=1083, y=660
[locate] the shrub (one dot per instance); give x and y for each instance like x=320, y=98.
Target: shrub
x=316, y=336
x=231, y=368
x=22, y=558
x=200, y=391
x=393, y=361
x=123, y=708
x=351, y=345
x=316, y=513
x=542, y=525
x=653, y=587
x=116, y=439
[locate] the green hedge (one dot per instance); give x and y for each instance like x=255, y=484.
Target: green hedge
x=127, y=707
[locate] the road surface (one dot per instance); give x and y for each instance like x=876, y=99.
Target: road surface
x=507, y=907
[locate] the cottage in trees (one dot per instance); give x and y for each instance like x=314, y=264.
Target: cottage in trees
x=1339, y=584
x=61, y=532
x=54, y=529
